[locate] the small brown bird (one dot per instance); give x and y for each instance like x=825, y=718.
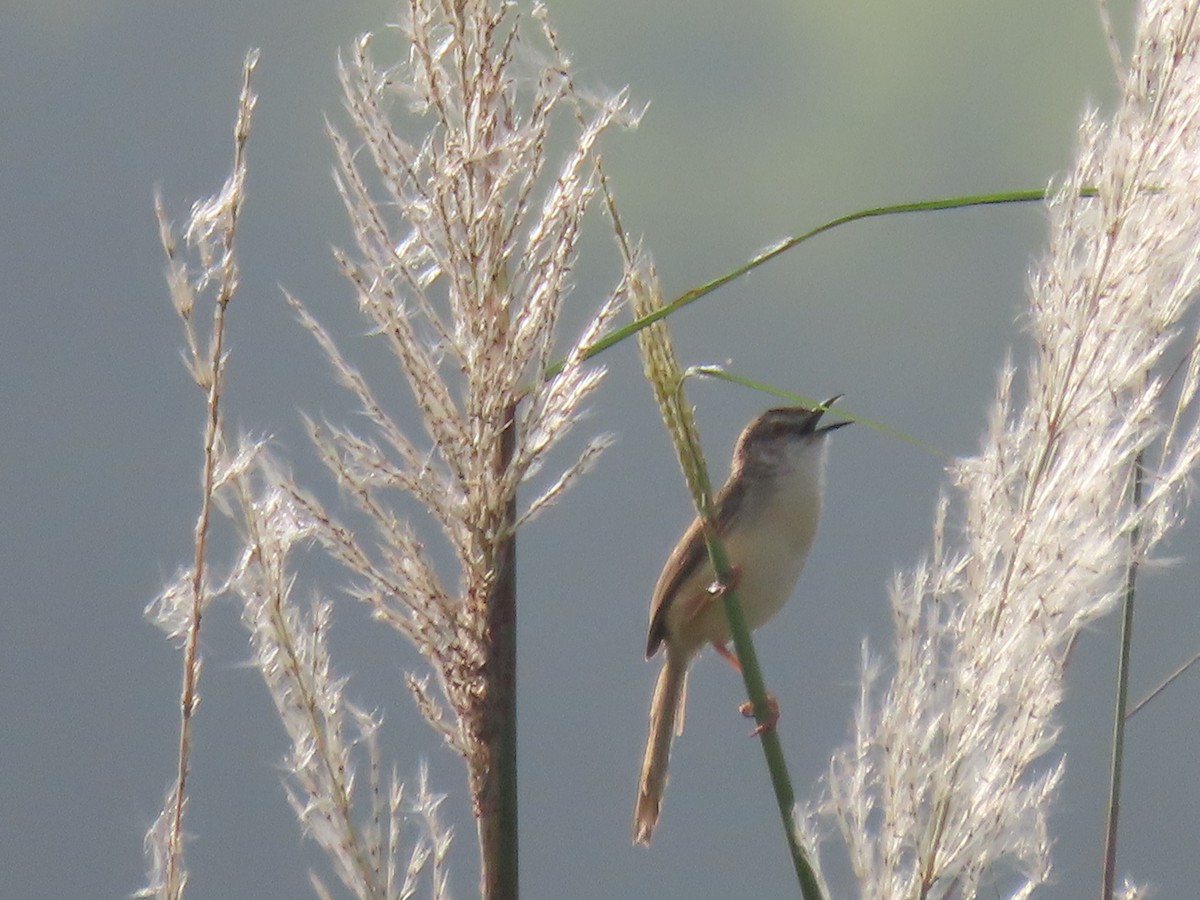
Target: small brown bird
x=766, y=513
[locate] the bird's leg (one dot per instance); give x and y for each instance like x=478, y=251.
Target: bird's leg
x=728, y=655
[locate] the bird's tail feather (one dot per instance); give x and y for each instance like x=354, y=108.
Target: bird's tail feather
x=666, y=718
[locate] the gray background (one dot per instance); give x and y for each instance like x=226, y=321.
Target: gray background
x=763, y=123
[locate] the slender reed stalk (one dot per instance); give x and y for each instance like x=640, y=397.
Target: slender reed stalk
x=210, y=234
x=1108, y=878
x=498, y=826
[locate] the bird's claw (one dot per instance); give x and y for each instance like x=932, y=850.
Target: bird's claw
x=747, y=710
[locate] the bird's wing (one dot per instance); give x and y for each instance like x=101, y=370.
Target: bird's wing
x=688, y=554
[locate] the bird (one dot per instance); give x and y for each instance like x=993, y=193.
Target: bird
x=766, y=515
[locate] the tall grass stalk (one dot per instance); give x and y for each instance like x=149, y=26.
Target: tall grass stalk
x=210, y=278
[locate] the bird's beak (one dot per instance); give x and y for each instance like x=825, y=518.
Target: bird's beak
x=820, y=411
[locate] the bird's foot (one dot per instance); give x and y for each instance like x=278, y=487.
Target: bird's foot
x=747, y=710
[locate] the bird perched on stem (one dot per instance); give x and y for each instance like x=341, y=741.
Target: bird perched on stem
x=766, y=514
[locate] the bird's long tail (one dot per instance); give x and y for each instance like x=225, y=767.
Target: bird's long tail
x=666, y=712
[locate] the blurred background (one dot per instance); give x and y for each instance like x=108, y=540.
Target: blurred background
x=761, y=125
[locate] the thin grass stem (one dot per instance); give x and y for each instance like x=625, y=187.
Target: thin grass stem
x=1108, y=881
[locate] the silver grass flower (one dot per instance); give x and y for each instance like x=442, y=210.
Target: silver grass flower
x=946, y=787
x=465, y=243
x=366, y=848
x=466, y=236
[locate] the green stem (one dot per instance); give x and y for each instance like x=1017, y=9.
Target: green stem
x=756, y=690
x=691, y=296
x=1118, y=747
